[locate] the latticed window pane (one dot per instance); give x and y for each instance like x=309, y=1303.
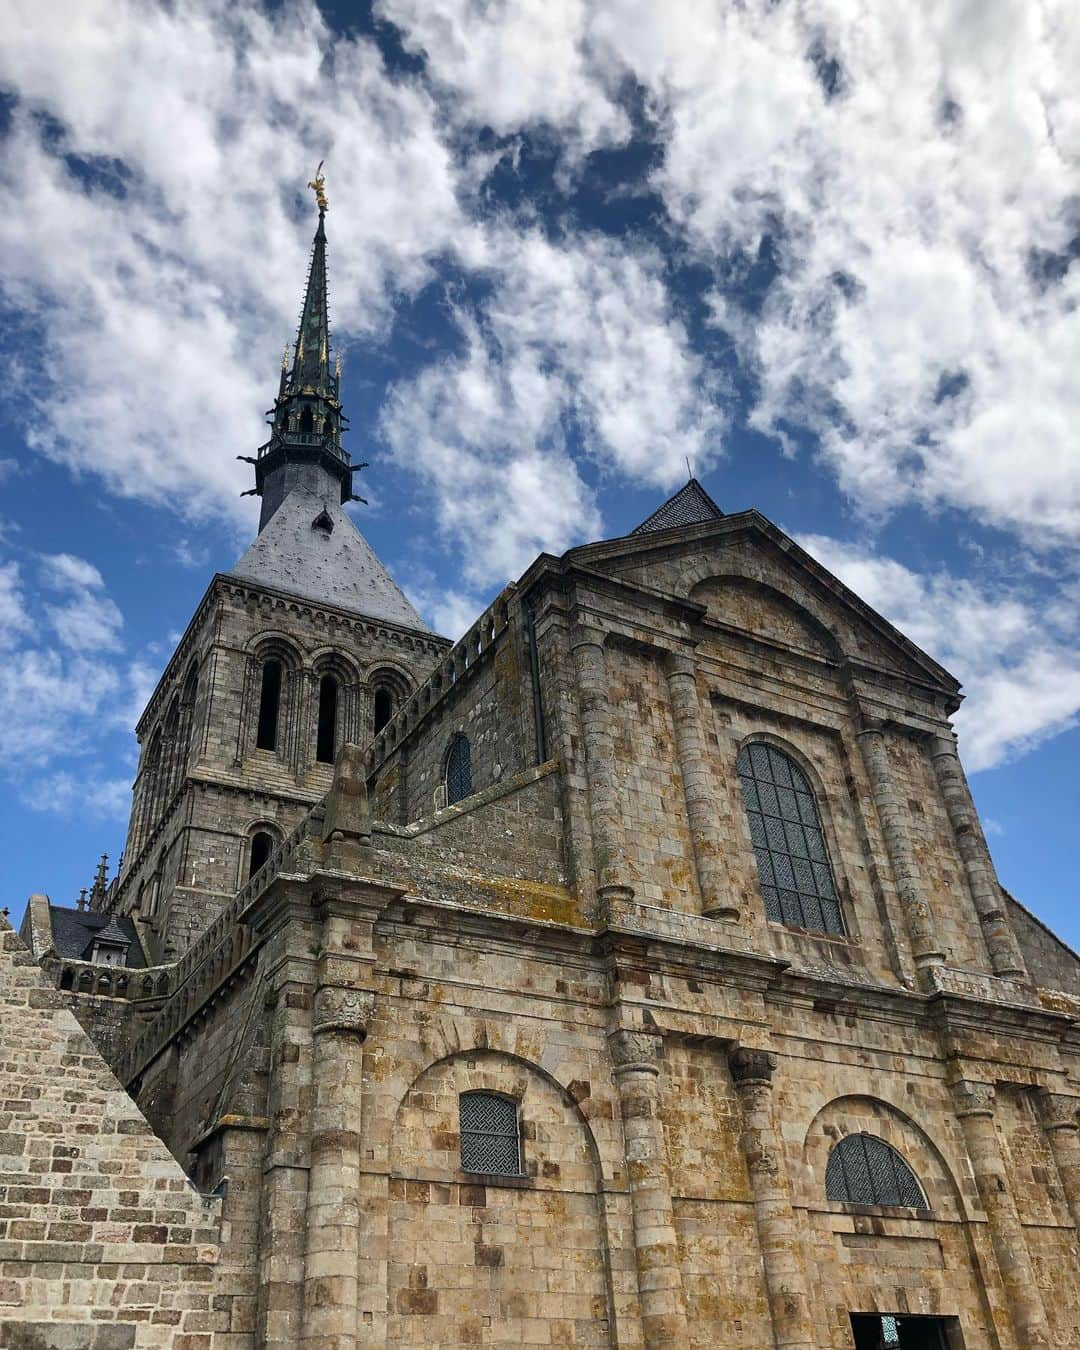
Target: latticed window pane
x=864, y=1170
x=458, y=771
x=786, y=832
x=490, y=1139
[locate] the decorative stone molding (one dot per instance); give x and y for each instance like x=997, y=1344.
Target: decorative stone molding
x=1057, y=1110
x=636, y=1051
x=973, y=1099
x=341, y=1009
x=751, y=1067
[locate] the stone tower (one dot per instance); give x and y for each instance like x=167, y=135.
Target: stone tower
x=305, y=644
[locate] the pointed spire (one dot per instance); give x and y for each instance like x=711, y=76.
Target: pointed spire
x=306, y=419
x=101, y=877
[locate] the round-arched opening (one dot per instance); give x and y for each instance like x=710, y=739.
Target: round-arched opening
x=262, y=845
x=269, y=705
x=382, y=709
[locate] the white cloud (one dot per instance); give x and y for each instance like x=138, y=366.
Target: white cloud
x=65, y=688
x=917, y=169
x=1016, y=652
x=581, y=333
x=157, y=288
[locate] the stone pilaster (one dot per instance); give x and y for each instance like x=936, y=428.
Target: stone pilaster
x=698, y=787
x=285, y=1170
x=925, y=944
x=603, y=795
x=778, y=1235
x=974, y=1106
x=1058, y=1117
x=331, y=1267
x=1005, y=957
x=636, y=1059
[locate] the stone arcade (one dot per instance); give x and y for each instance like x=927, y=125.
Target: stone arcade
x=632, y=972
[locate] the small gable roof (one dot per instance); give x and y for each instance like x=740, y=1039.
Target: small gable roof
x=689, y=506
x=75, y=932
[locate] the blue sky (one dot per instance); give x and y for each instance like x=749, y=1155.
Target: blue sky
x=827, y=255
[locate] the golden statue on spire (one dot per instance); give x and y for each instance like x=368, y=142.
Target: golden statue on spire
x=318, y=186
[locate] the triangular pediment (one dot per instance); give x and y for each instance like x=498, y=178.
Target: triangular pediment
x=748, y=574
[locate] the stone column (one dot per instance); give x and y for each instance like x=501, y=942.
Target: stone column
x=974, y=1106
x=1058, y=1116
x=1005, y=957
x=698, y=787
x=778, y=1234
x=285, y=1169
x=636, y=1059
x=331, y=1266
x=925, y=945
x=595, y=717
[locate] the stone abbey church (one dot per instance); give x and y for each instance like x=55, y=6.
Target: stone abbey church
x=631, y=973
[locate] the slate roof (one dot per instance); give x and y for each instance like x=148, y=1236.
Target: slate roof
x=332, y=566
x=691, y=505
x=75, y=931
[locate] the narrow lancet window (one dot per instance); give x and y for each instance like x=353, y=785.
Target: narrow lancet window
x=269, y=706
x=458, y=770
x=793, y=864
x=326, y=739
x=383, y=709
x=262, y=845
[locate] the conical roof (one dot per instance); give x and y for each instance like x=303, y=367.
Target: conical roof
x=310, y=547
x=691, y=505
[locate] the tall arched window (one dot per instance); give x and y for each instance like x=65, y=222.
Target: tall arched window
x=307, y=422
x=262, y=845
x=793, y=864
x=326, y=738
x=490, y=1134
x=458, y=770
x=382, y=709
x=865, y=1170
x=269, y=705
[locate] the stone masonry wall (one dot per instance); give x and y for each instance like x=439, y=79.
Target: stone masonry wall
x=103, y=1240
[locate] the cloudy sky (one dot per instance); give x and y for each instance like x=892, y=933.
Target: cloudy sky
x=825, y=251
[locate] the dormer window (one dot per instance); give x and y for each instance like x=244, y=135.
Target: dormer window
x=323, y=522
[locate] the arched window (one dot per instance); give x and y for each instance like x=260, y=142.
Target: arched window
x=269, y=704
x=865, y=1170
x=490, y=1134
x=326, y=740
x=307, y=422
x=262, y=845
x=458, y=770
x=382, y=709
x=793, y=865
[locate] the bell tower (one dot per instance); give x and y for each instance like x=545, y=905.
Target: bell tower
x=306, y=643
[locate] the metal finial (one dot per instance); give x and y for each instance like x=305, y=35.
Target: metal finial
x=318, y=186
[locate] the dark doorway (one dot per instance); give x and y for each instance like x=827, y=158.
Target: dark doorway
x=875, y=1331
x=261, y=847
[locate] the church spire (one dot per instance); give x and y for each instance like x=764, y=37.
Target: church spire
x=304, y=448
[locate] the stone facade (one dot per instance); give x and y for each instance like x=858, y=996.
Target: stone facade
x=585, y=936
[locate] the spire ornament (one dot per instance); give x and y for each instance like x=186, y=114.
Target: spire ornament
x=318, y=186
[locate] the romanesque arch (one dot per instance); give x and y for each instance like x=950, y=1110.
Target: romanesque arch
x=463, y=1246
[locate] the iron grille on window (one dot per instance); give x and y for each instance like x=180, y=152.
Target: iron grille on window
x=458, y=771
x=864, y=1170
x=490, y=1139
x=793, y=865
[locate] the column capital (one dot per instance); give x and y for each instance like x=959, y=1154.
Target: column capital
x=635, y=1051
x=341, y=1009
x=679, y=663
x=586, y=632
x=1057, y=1110
x=871, y=726
x=750, y=1067
x=943, y=745
x=972, y=1099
